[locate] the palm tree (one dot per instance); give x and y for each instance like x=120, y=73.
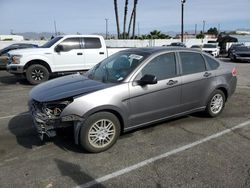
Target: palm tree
x=134, y=20
x=117, y=18
x=125, y=18
x=130, y=22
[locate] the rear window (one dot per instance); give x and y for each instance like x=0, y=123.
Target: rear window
x=192, y=63
x=213, y=64
x=91, y=42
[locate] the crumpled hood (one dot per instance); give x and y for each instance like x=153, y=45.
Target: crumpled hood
x=64, y=87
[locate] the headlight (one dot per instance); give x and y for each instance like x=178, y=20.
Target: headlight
x=54, y=109
x=15, y=59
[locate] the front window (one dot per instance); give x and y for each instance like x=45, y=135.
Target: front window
x=51, y=42
x=162, y=66
x=70, y=44
x=117, y=67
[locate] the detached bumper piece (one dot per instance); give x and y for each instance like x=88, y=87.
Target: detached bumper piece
x=44, y=122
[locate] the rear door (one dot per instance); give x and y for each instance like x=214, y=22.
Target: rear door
x=197, y=80
x=154, y=102
x=94, y=51
x=71, y=57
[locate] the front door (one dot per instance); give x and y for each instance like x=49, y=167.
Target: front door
x=71, y=57
x=150, y=103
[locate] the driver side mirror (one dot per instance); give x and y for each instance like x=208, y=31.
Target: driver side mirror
x=148, y=79
x=59, y=48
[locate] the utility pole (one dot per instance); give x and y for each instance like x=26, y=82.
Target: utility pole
x=106, y=20
x=55, y=27
x=218, y=28
x=182, y=18
x=138, y=29
x=203, y=28
x=195, y=29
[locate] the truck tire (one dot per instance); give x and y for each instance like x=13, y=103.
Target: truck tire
x=37, y=74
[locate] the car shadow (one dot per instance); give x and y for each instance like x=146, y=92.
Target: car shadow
x=13, y=80
x=26, y=135
x=74, y=171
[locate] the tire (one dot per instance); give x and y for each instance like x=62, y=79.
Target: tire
x=37, y=74
x=215, y=104
x=94, y=136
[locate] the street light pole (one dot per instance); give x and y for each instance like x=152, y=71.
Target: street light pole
x=106, y=19
x=182, y=18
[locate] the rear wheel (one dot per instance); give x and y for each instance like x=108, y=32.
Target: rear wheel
x=215, y=104
x=37, y=74
x=99, y=132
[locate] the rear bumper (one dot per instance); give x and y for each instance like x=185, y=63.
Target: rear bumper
x=232, y=87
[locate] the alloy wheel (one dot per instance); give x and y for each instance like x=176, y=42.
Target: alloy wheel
x=101, y=133
x=216, y=103
x=37, y=74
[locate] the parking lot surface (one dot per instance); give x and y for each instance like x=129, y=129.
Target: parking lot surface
x=192, y=151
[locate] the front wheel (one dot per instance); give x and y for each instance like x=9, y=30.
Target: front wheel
x=37, y=74
x=215, y=104
x=99, y=132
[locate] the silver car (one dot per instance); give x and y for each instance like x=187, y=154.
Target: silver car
x=131, y=89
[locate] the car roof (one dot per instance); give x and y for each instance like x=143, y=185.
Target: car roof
x=152, y=50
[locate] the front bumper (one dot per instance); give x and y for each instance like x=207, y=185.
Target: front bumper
x=15, y=69
x=43, y=124
x=242, y=58
x=213, y=53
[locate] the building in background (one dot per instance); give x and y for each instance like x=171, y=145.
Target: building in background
x=11, y=38
x=242, y=32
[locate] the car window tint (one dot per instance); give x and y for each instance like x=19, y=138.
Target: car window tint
x=91, y=42
x=162, y=66
x=213, y=64
x=192, y=63
x=70, y=44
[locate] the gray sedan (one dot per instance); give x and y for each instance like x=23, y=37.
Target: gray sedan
x=131, y=89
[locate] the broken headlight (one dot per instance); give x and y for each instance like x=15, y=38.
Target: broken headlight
x=54, y=109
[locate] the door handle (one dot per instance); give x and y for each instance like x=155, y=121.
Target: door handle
x=79, y=53
x=101, y=53
x=207, y=74
x=172, y=82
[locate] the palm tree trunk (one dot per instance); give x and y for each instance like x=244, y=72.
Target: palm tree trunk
x=117, y=19
x=125, y=18
x=134, y=21
x=130, y=22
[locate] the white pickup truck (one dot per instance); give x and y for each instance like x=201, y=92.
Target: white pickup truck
x=62, y=54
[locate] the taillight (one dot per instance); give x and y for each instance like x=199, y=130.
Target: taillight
x=234, y=72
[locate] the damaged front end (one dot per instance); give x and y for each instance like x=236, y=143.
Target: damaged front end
x=47, y=116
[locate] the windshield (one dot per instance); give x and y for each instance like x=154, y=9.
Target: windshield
x=117, y=67
x=51, y=42
x=209, y=46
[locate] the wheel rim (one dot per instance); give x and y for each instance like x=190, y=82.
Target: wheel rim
x=101, y=133
x=37, y=74
x=216, y=103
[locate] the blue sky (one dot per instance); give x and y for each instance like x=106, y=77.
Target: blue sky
x=88, y=16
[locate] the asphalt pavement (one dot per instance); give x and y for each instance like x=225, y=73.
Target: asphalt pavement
x=191, y=151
